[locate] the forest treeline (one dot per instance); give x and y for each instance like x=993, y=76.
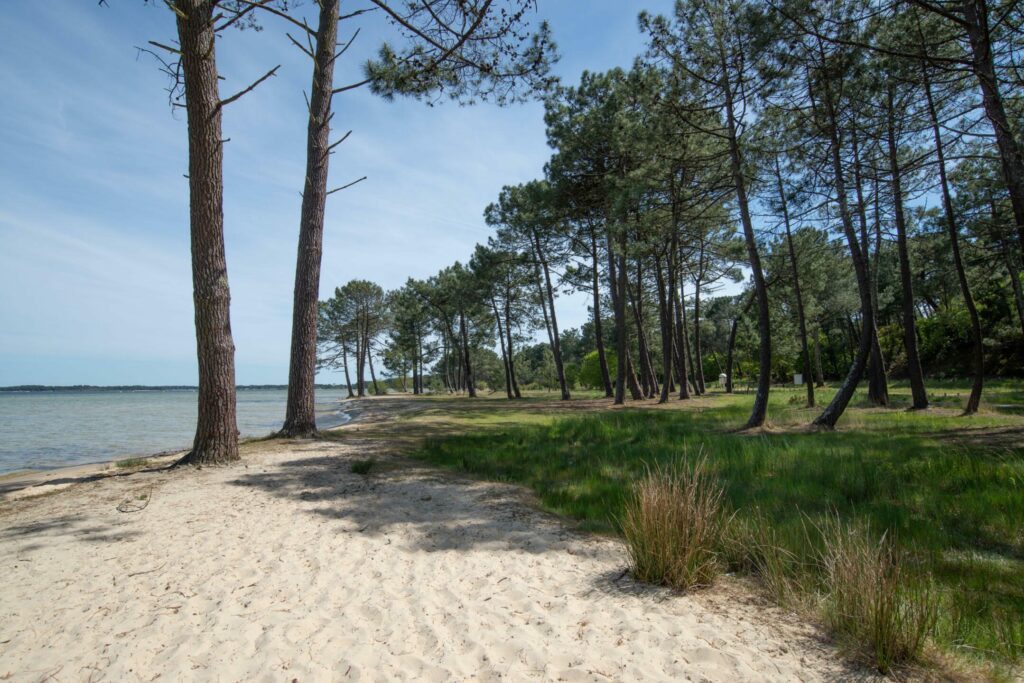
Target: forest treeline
x=859, y=163
x=856, y=165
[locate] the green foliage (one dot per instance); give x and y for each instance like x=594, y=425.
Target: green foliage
x=590, y=370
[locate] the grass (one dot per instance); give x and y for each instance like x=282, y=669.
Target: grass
x=362, y=466
x=131, y=463
x=673, y=525
x=946, y=491
x=869, y=602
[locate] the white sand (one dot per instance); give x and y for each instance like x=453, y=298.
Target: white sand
x=290, y=567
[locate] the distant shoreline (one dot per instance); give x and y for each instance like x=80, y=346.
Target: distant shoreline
x=43, y=388
x=17, y=480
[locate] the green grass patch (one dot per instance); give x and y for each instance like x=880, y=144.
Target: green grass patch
x=947, y=497
x=131, y=463
x=362, y=466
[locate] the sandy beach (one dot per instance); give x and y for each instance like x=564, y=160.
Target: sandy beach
x=290, y=567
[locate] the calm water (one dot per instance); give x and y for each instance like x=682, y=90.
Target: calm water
x=44, y=430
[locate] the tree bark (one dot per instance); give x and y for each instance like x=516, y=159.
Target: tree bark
x=598, y=328
x=677, y=305
x=470, y=384
x=615, y=280
x=917, y=390
x=344, y=362
x=504, y=356
x=830, y=416
x=665, y=317
x=216, y=438
x=878, y=385
x=975, y=13
x=556, y=346
x=647, y=382
x=817, y=360
x=300, y=413
x=511, y=349
x=686, y=344
x=729, y=356
x=801, y=320
x=977, y=341
x=760, y=409
x=1014, y=273
x=373, y=375
x=698, y=368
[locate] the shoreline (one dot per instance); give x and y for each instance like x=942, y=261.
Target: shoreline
x=29, y=483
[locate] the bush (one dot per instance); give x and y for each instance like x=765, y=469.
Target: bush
x=673, y=525
x=868, y=603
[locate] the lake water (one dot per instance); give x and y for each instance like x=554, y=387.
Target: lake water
x=50, y=429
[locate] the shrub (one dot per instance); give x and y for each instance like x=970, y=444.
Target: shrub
x=673, y=525
x=869, y=604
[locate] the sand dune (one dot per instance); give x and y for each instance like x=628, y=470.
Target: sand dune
x=291, y=567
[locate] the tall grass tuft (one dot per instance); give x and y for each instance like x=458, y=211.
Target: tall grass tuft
x=673, y=523
x=869, y=603
x=751, y=545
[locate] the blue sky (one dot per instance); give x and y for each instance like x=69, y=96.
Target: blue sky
x=94, y=250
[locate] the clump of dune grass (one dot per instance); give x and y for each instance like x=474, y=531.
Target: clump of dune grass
x=673, y=524
x=751, y=545
x=870, y=604
x=130, y=463
x=362, y=466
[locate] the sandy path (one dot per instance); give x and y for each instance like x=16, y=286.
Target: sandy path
x=291, y=567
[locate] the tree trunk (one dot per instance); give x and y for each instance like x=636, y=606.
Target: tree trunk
x=216, y=438
x=300, y=413
x=615, y=280
x=975, y=13
x=598, y=329
x=830, y=416
x=360, y=364
x=686, y=344
x=760, y=409
x=556, y=346
x=919, y=395
x=504, y=356
x=977, y=341
x=373, y=375
x=878, y=387
x=801, y=320
x=665, y=317
x=698, y=356
x=729, y=356
x=344, y=362
x=677, y=306
x=511, y=349
x=1014, y=273
x=470, y=384
x=648, y=386
x=817, y=360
